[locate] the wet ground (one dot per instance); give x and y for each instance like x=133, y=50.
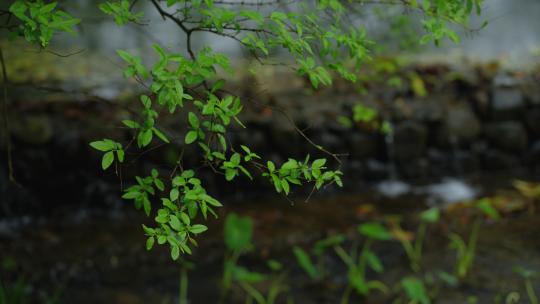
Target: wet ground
x=96, y=256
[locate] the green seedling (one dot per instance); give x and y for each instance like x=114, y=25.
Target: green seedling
x=18, y=291
x=358, y=264
x=15, y=293
x=437, y=280
x=183, y=282
x=414, y=249
x=237, y=233
x=415, y=290
x=528, y=276
x=466, y=250
x=238, y=240
x=512, y=298
x=276, y=287
x=316, y=270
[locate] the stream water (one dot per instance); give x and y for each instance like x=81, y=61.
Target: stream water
x=97, y=256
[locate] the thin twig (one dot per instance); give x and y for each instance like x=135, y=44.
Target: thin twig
x=6, y=119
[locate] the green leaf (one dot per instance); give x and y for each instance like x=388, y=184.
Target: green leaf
x=193, y=120
x=175, y=223
x=285, y=186
x=415, y=290
x=131, y=124
x=373, y=261
x=102, y=145
x=175, y=252
x=159, y=184
x=107, y=160
x=431, y=215
x=120, y=154
x=218, y=85
x=271, y=166
x=196, y=229
x=449, y=279
x=274, y=265
x=230, y=174
x=174, y=194
x=131, y=195
x=144, y=138
x=185, y=218
x=321, y=245
x=305, y=262
x=238, y=232
x=241, y=274
x=318, y=163
x=150, y=243
x=210, y=200
x=146, y=206
x=375, y=231
x=485, y=205
x=160, y=135
x=191, y=136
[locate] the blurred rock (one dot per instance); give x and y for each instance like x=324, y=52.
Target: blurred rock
x=34, y=129
x=409, y=140
x=532, y=118
x=461, y=124
x=498, y=160
x=414, y=169
x=507, y=103
x=429, y=110
x=362, y=145
x=510, y=136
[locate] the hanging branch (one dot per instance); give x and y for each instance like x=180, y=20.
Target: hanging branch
x=6, y=119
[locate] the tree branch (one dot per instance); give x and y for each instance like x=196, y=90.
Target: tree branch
x=6, y=119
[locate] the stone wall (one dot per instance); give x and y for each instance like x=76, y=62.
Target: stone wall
x=472, y=120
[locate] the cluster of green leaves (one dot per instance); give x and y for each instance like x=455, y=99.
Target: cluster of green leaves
x=40, y=20
x=315, y=37
x=440, y=12
x=294, y=172
x=314, y=34
x=146, y=129
x=175, y=216
x=121, y=10
x=171, y=77
x=367, y=116
x=318, y=36
x=111, y=149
